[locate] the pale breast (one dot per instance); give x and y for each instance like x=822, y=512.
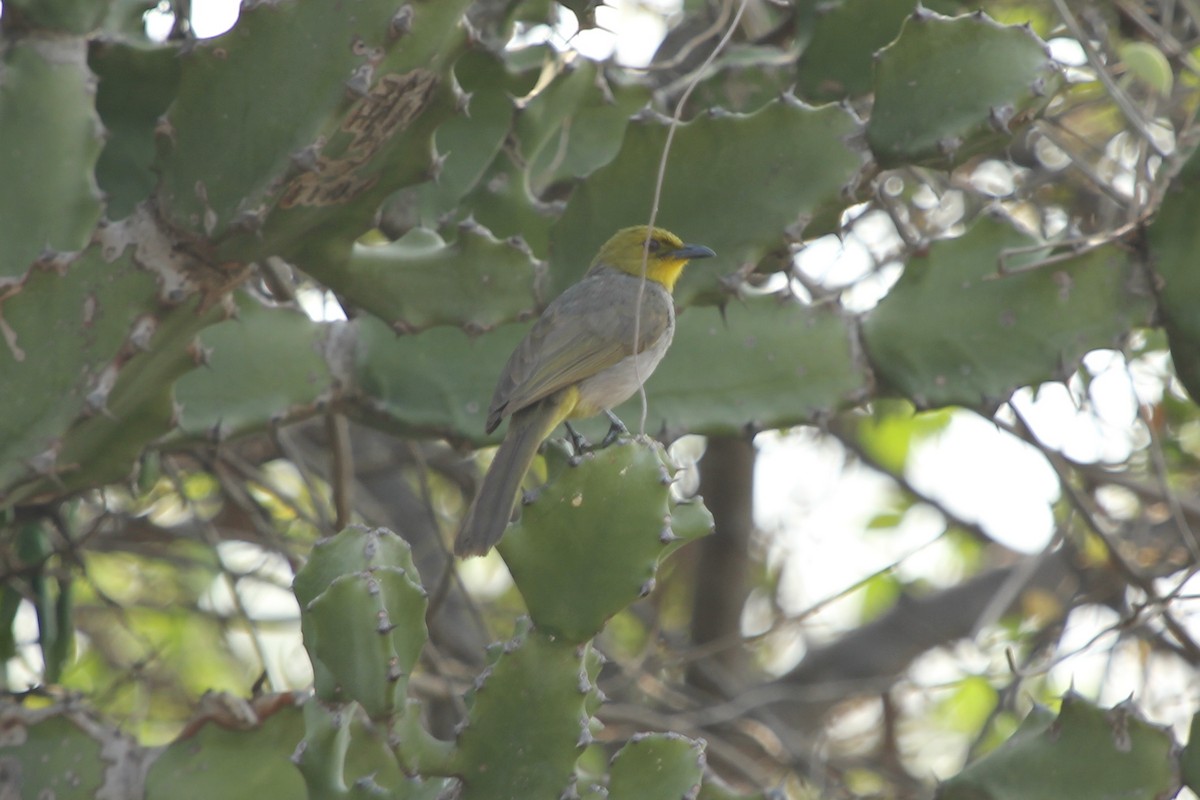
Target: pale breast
x=615, y=385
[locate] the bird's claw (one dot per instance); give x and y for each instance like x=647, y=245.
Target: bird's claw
x=615, y=429
x=580, y=444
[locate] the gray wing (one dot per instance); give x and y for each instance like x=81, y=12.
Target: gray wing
x=587, y=329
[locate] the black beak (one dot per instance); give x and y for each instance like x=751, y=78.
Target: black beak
x=690, y=251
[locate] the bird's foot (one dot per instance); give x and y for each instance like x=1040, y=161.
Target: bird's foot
x=616, y=428
x=580, y=444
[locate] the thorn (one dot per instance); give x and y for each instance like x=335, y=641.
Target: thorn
x=469, y=225
x=54, y=260
x=435, y=167
x=308, y=159
x=249, y=220
x=143, y=332
x=1000, y=116
x=359, y=83
x=96, y=401
x=164, y=128
x=472, y=35
x=642, y=114
x=402, y=21
x=46, y=462
x=949, y=146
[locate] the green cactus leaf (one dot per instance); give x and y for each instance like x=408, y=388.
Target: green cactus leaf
x=469, y=142
x=54, y=753
x=363, y=617
x=352, y=550
x=839, y=59
x=50, y=138
x=690, y=520
x=121, y=418
x=420, y=281
x=949, y=88
x=575, y=125
x=50, y=596
x=954, y=331
x=319, y=141
x=344, y=755
x=366, y=630
x=51, y=380
x=136, y=85
x=213, y=168
x=1189, y=760
x=744, y=78
x=199, y=765
x=321, y=757
x=58, y=650
x=264, y=364
x=657, y=766
x=416, y=749
x=1174, y=239
x=595, y=535
x=1086, y=752
x=713, y=789
x=409, y=389
x=1149, y=65
x=768, y=363
x=126, y=20
x=526, y=722
x=797, y=158
x=504, y=204
x=70, y=16
x=10, y=602
x=369, y=786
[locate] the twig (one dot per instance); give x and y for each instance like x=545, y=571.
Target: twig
x=1119, y=562
x=1120, y=99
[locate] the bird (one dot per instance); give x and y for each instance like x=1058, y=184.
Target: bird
x=579, y=360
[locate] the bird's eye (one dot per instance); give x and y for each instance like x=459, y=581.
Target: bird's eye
x=653, y=246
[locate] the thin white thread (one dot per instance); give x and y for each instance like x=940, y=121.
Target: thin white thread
x=658, y=184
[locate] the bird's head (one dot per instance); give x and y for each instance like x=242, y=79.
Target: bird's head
x=665, y=253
